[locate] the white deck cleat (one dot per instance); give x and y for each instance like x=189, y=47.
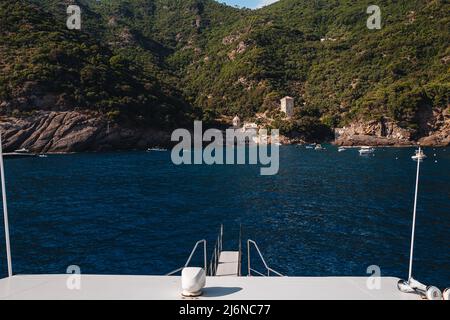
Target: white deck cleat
x=193, y=280
x=404, y=287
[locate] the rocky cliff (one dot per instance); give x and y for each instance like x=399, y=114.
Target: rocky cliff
x=74, y=131
x=434, y=130
x=85, y=130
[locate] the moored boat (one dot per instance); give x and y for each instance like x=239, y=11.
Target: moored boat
x=366, y=151
x=419, y=155
x=156, y=149
x=318, y=147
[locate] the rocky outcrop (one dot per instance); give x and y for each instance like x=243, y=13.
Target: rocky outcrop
x=438, y=128
x=373, y=133
x=434, y=130
x=74, y=131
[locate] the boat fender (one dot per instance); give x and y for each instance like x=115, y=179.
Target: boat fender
x=446, y=294
x=433, y=293
x=430, y=292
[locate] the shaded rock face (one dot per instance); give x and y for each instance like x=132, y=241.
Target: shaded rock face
x=74, y=131
x=434, y=131
x=438, y=129
x=373, y=133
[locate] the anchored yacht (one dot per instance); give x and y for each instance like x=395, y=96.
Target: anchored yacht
x=23, y=150
x=318, y=147
x=366, y=151
x=219, y=277
x=20, y=153
x=419, y=155
x=156, y=150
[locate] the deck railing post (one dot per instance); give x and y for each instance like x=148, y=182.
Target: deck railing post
x=204, y=256
x=268, y=269
x=5, y=211
x=221, y=237
x=248, y=258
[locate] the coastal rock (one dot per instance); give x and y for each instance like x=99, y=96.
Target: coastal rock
x=439, y=134
x=75, y=131
x=434, y=130
x=373, y=133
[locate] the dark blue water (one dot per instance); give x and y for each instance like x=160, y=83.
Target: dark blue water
x=326, y=213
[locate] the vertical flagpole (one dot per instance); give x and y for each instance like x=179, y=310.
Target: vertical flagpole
x=414, y=221
x=5, y=211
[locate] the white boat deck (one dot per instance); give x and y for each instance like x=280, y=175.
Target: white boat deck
x=97, y=287
x=228, y=264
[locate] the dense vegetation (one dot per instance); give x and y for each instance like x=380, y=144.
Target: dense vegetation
x=165, y=61
x=46, y=66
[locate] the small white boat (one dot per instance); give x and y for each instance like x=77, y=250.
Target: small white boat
x=366, y=151
x=23, y=150
x=156, y=149
x=310, y=146
x=342, y=149
x=419, y=155
x=318, y=147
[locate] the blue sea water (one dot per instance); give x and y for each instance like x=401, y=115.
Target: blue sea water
x=325, y=213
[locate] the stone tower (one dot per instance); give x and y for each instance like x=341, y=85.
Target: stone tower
x=287, y=106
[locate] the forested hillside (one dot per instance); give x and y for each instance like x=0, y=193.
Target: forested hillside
x=162, y=63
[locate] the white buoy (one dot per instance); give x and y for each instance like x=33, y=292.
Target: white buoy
x=193, y=280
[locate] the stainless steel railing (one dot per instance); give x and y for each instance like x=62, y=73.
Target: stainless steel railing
x=190, y=258
x=216, y=253
x=250, y=269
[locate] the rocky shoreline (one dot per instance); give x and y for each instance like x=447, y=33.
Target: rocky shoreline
x=87, y=131
x=435, y=132
x=74, y=131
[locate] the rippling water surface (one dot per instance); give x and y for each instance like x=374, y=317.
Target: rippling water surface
x=325, y=213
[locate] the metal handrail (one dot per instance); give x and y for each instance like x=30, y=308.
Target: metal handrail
x=268, y=269
x=214, y=258
x=190, y=257
x=216, y=253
